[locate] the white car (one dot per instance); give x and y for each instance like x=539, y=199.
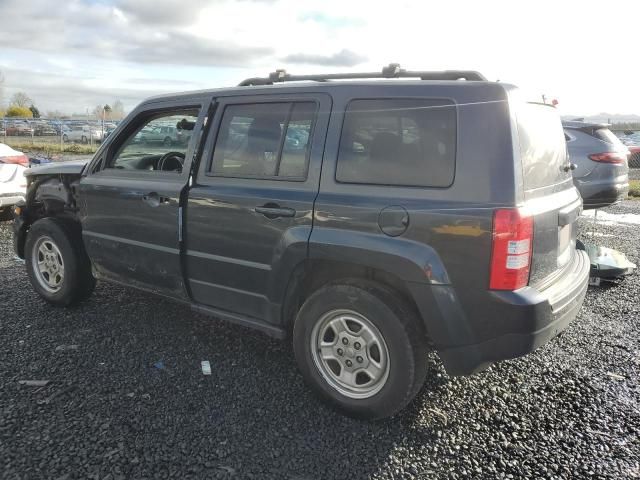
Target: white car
x=82, y=133
x=13, y=184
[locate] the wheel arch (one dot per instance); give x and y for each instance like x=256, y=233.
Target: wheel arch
x=48, y=196
x=313, y=274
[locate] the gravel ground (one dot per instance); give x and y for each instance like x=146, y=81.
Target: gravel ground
x=130, y=401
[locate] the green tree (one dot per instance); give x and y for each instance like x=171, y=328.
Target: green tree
x=17, y=111
x=34, y=111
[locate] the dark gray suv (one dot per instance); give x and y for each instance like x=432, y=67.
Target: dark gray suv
x=368, y=220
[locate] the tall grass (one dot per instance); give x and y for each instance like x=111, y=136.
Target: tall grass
x=52, y=148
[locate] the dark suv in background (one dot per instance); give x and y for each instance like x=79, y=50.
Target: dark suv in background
x=369, y=221
x=601, y=163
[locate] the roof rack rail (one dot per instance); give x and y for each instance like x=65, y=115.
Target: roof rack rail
x=392, y=70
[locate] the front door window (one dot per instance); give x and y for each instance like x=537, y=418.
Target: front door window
x=159, y=144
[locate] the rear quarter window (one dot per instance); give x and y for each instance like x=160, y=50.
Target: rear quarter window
x=403, y=142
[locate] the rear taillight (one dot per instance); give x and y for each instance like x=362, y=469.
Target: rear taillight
x=512, y=247
x=608, y=157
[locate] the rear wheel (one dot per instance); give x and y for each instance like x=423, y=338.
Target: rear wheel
x=167, y=142
x=6, y=215
x=57, y=264
x=361, y=347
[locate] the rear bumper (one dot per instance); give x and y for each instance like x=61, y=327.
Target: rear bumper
x=528, y=318
x=10, y=199
x=600, y=194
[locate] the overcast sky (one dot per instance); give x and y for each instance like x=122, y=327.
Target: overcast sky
x=75, y=54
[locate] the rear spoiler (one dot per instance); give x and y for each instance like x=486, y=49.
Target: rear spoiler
x=580, y=125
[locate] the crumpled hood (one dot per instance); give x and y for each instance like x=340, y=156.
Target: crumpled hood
x=57, y=168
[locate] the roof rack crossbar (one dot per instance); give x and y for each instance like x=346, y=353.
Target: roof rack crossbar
x=392, y=70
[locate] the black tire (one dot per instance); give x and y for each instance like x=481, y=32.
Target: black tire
x=634, y=160
x=6, y=215
x=400, y=328
x=77, y=283
x=167, y=142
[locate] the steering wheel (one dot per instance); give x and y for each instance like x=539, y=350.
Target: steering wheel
x=171, y=162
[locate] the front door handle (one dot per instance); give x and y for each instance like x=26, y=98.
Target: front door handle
x=273, y=210
x=154, y=200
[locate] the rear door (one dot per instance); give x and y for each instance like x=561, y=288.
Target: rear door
x=130, y=211
x=548, y=190
x=249, y=212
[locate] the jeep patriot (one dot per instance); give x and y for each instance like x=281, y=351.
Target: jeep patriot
x=370, y=218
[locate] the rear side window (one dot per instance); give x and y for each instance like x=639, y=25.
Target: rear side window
x=264, y=140
x=404, y=142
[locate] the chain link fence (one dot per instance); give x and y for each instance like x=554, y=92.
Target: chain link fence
x=56, y=132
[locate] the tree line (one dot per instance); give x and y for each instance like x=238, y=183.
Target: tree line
x=22, y=106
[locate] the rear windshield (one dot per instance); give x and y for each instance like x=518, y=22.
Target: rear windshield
x=608, y=136
x=543, y=149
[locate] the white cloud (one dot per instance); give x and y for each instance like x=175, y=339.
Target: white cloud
x=569, y=49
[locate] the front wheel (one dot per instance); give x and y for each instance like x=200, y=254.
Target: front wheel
x=57, y=264
x=361, y=347
x=6, y=214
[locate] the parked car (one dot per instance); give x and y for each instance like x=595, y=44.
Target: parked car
x=82, y=133
x=43, y=128
x=412, y=215
x=634, y=156
x=19, y=128
x=631, y=140
x=165, y=134
x=601, y=171
x=13, y=184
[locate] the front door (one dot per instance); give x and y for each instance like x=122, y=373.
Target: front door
x=130, y=202
x=249, y=213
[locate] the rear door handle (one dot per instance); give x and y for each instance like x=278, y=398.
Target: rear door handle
x=154, y=200
x=271, y=210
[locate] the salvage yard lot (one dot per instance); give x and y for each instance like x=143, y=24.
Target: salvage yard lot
x=127, y=398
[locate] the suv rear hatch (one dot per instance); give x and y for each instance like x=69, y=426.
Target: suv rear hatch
x=547, y=190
